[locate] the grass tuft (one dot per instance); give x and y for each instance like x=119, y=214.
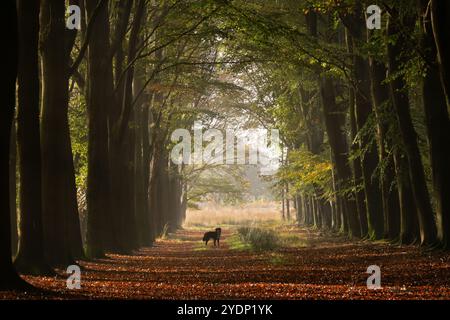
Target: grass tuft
x=259, y=239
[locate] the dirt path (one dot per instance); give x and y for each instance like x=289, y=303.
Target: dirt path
x=326, y=268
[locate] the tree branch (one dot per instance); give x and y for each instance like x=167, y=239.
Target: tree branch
x=89, y=32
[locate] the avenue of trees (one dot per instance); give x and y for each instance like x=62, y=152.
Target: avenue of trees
x=87, y=116
x=370, y=155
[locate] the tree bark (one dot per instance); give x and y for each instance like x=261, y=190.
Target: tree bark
x=369, y=161
x=355, y=23
x=57, y=159
x=409, y=225
x=163, y=193
x=382, y=105
x=440, y=18
x=9, y=279
x=174, y=199
x=158, y=196
x=288, y=206
x=13, y=191
x=408, y=134
x=357, y=170
x=30, y=258
x=299, y=208
x=436, y=116
x=146, y=160
x=100, y=92
x=334, y=123
x=141, y=200
x=356, y=162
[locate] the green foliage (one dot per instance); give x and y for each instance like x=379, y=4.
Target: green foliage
x=236, y=243
x=307, y=173
x=79, y=137
x=219, y=183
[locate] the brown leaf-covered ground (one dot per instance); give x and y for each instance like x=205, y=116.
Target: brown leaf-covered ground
x=324, y=267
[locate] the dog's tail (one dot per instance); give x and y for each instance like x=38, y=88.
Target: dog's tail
x=205, y=237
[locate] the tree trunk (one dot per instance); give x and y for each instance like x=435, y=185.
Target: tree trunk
x=141, y=201
x=309, y=217
x=326, y=214
x=299, y=208
x=154, y=185
x=382, y=105
x=30, y=258
x=123, y=140
x=288, y=206
x=436, y=119
x=130, y=212
x=57, y=160
x=127, y=130
x=369, y=161
x=440, y=18
x=9, y=279
x=334, y=123
x=361, y=207
x=357, y=169
x=146, y=161
x=408, y=134
x=337, y=212
x=314, y=211
x=306, y=209
x=174, y=199
x=73, y=217
x=184, y=202
x=355, y=24
x=100, y=95
x=117, y=199
x=163, y=193
x=13, y=192
x=409, y=226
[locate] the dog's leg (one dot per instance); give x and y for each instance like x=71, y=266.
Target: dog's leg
x=218, y=243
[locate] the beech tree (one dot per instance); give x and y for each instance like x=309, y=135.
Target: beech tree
x=9, y=279
x=30, y=258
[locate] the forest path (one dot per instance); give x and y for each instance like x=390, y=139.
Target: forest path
x=323, y=267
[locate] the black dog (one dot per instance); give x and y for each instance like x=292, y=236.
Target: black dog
x=212, y=235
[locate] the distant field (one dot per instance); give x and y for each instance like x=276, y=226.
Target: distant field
x=212, y=215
